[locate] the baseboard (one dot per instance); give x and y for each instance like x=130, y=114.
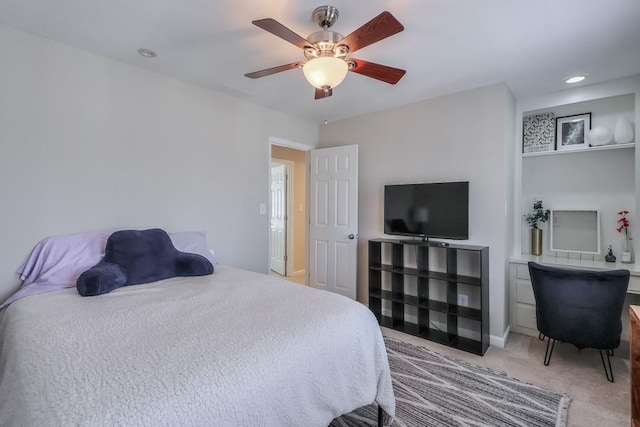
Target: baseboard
x=500, y=341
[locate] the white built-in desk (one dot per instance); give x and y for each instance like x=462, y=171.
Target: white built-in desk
x=634, y=269
x=522, y=301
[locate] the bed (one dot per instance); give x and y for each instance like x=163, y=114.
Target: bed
x=235, y=348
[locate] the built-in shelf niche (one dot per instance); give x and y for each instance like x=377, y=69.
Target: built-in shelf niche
x=600, y=178
x=605, y=112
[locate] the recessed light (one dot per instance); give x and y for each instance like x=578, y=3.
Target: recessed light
x=147, y=53
x=575, y=79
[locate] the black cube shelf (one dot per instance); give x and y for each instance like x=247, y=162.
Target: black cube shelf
x=387, y=283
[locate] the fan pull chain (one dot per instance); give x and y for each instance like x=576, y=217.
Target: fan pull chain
x=326, y=108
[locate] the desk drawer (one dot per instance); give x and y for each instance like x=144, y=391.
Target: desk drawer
x=634, y=285
x=524, y=292
x=522, y=271
x=526, y=316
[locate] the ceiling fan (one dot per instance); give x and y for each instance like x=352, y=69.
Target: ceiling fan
x=326, y=51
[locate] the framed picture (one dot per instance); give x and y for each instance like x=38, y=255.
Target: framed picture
x=571, y=132
x=538, y=133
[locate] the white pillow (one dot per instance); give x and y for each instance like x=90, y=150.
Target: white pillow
x=194, y=242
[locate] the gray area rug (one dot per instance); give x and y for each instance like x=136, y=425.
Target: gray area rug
x=436, y=390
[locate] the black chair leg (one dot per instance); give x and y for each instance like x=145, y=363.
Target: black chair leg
x=380, y=416
x=607, y=372
x=541, y=336
x=547, y=354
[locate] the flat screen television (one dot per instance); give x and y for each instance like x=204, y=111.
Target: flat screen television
x=439, y=210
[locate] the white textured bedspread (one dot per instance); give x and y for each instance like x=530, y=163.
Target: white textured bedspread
x=232, y=349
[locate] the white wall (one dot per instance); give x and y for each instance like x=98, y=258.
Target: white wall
x=87, y=143
x=464, y=136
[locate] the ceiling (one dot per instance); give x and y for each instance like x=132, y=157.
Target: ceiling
x=447, y=45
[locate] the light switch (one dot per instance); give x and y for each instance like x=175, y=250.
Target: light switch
x=263, y=209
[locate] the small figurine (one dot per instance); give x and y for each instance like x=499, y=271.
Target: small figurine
x=610, y=257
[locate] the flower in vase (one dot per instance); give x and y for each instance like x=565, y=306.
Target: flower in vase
x=624, y=223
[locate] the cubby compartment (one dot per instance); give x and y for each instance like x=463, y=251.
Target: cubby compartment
x=415, y=287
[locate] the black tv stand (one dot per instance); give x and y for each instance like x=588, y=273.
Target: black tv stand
x=424, y=241
x=430, y=289
x=414, y=241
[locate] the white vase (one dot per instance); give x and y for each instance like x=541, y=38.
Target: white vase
x=626, y=251
x=599, y=136
x=623, y=132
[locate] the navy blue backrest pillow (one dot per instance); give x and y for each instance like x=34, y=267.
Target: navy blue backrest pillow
x=139, y=256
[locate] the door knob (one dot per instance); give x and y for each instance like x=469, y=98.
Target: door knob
x=352, y=236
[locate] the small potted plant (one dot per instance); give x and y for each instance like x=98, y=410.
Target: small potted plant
x=610, y=257
x=534, y=219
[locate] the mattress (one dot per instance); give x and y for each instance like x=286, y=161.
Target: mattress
x=232, y=348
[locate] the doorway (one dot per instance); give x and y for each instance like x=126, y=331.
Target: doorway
x=279, y=215
x=288, y=210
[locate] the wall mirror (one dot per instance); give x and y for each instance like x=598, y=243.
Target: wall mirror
x=574, y=230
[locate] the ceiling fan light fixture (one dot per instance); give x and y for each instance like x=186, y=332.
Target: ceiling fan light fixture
x=326, y=51
x=325, y=71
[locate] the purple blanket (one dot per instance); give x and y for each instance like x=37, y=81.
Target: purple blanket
x=57, y=262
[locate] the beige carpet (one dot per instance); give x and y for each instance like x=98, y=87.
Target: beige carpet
x=595, y=401
x=301, y=280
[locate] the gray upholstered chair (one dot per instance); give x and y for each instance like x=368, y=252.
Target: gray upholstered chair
x=580, y=307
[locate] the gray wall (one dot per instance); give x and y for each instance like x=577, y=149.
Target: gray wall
x=87, y=143
x=464, y=136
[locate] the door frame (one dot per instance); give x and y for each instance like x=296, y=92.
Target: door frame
x=296, y=146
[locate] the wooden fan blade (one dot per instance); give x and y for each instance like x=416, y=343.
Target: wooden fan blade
x=376, y=71
x=269, y=71
x=321, y=94
x=380, y=27
x=276, y=28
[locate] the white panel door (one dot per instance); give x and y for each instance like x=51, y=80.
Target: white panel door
x=278, y=218
x=333, y=229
